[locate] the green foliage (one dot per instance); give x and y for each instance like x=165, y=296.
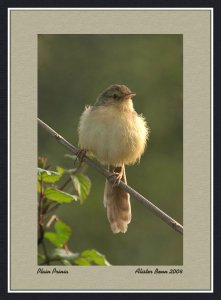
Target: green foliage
x=50, y=176
x=63, y=254
x=61, y=235
x=65, y=257
x=85, y=258
x=50, y=197
x=82, y=185
x=39, y=187
x=91, y=257
x=59, y=196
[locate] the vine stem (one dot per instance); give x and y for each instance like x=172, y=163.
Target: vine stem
x=111, y=178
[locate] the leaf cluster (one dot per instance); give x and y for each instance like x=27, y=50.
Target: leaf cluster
x=52, y=192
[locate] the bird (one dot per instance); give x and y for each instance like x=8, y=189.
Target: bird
x=117, y=135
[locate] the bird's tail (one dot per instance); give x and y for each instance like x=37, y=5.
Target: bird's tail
x=117, y=202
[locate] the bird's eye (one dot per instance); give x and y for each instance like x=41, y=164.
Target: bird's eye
x=115, y=96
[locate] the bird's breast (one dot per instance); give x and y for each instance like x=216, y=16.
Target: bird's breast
x=114, y=136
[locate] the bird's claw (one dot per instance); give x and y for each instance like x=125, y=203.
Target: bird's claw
x=116, y=177
x=81, y=154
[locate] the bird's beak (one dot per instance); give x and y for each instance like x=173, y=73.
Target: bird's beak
x=132, y=95
x=129, y=96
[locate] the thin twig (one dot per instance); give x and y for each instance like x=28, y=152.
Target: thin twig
x=52, y=219
x=110, y=177
x=65, y=184
x=52, y=208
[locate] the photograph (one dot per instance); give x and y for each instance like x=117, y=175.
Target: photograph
x=118, y=99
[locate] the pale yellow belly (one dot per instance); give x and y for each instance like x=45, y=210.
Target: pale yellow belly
x=114, y=137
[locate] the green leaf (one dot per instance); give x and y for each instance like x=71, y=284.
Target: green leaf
x=39, y=187
x=59, y=196
x=49, y=176
x=82, y=262
x=60, y=236
x=60, y=170
x=82, y=185
x=94, y=257
x=52, y=237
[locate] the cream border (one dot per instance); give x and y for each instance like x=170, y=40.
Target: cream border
x=25, y=24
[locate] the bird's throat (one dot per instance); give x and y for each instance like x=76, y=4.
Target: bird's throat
x=125, y=105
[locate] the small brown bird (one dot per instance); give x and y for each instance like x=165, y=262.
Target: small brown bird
x=116, y=135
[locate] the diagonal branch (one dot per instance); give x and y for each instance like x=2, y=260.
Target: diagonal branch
x=158, y=212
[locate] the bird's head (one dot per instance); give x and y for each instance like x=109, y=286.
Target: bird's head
x=115, y=94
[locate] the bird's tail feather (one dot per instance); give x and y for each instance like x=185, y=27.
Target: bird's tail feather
x=117, y=202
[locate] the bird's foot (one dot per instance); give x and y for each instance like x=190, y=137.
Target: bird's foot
x=118, y=176
x=113, y=180
x=81, y=154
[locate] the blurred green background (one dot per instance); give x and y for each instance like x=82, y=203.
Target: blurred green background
x=72, y=71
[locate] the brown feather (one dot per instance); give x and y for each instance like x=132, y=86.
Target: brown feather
x=118, y=206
